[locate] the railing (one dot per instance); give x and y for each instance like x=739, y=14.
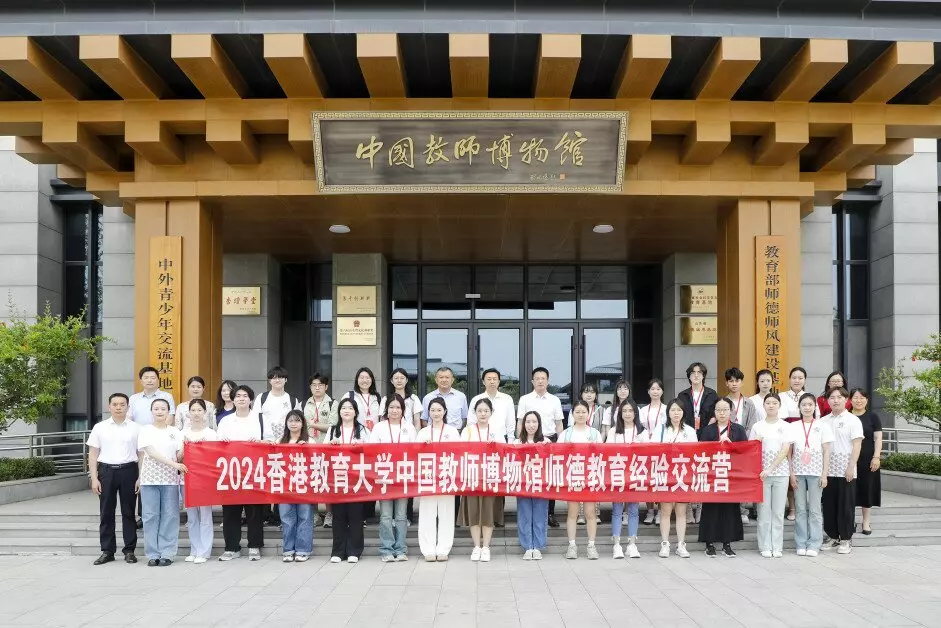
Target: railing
x=67, y=450
x=909, y=440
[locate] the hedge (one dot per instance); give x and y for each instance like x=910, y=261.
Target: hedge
x=25, y=468
x=928, y=464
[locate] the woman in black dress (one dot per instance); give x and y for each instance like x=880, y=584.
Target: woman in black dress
x=868, y=480
x=721, y=523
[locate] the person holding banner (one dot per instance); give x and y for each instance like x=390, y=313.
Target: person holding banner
x=775, y=470
x=652, y=416
x=627, y=429
x=317, y=412
x=531, y=512
x=436, y=512
x=199, y=518
x=580, y=432
x=722, y=522
x=479, y=508
x=297, y=520
x=396, y=428
x=676, y=430
x=348, y=517
x=698, y=402
x=366, y=396
x=810, y=464
x=597, y=414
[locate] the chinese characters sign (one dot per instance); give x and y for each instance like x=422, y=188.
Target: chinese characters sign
x=165, y=278
x=356, y=300
x=699, y=299
x=699, y=330
x=771, y=306
x=458, y=151
x=241, y=301
x=356, y=331
x=255, y=473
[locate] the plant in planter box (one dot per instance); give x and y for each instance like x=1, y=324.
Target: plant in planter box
x=927, y=464
x=915, y=397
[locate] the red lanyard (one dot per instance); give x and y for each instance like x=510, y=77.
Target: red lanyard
x=633, y=434
x=366, y=403
x=441, y=433
x=807, y=433
x=727, y=430
x=656, y=415
x=696, y=400
x=343, y=435
x=678, y=432
x=738, y=406
x=390, y=433
x=478, y=434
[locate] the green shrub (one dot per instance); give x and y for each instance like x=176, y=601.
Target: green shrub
x=928, y=464
x=25, y=468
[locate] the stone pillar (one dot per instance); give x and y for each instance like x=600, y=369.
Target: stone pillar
x=904, y=305
x=367, y=269
x=817, y=304
x=739, y=225
x=252, y=344
x=679, y=269
x=118, y=372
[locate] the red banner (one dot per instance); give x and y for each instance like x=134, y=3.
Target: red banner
x=260, y=473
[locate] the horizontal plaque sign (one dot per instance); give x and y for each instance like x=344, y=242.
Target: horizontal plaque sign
x=699, y=330
x=470, y=151
x=241, y=300
x=699, y=299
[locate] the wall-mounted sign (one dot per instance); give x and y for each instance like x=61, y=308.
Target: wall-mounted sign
x=699, y=330
x=356, y=300
x=241, y=300
x=165, y=274
x=356, y=331
x=470, y=151
x=770, y=307
x=699, y=299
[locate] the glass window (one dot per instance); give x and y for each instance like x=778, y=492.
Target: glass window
x=99, y=292
x=322, y=361
x=603, y=354
x=76, y=289
x=604, y=292
x=404, y=291
x=405, y=351
x=76, y=236
x=643, y=341
x=857, y=291
x=99, y=232
x=857, y=235
x=294, y=292
x=552, y=349
x=645, y=291
x=551, y=292
x=501, y=292
x=444, y=291
x=321, y=292
x=446, y=348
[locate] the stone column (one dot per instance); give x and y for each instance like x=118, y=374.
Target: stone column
x=816, y=281
x=367, y=269
x=118, y=372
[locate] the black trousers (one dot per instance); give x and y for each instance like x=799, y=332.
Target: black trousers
x=232, y=526
x=839, y=508
x=117, y=486
x=348, y=530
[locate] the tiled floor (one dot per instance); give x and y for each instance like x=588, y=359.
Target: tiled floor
x=891, y=586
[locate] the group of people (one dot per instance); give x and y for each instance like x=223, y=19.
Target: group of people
x=820, y=460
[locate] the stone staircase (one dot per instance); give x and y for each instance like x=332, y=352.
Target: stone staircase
x=68, y=525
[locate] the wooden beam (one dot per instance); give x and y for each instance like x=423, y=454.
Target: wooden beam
x=38, y=71
x=380, y=60
x=557, y=65
x=71, y=175
x=203, y=60
x=154, y=141
x=846, y=151
x=34, y=151
x=233, y=141
x=105, y=186
x=818, y=61
x=860, y=176
x=705, y=141
x=893, y=153
x=470, y=64
x=645, y=59
x=118, y=65
x=293, y=63
x=78, y=145
x=730, y=63
x=782, y=143
x=892, y=72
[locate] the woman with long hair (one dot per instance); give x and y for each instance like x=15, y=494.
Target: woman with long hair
x=836, y=379
x=810, y=464
x=676, y=430
x=627, y=430
x=775, y=471
x=436, y=512
x=395, y=428
x=722, y=522
x=225, y=404
x=532, y=512
x=401, y=387
x=622, y=392
x=347, y=517
x=479, y=508
x=195, y=386
x=764, y=384
x=652, y=416
x=596, y=413
x=297, y=520
x=199, y=518
x=580, y=432
x=868, y=480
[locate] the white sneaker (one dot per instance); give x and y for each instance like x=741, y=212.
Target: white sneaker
x=475, y=554
x=287, y=558
x=830, y=545
x=632, y=551
x=845, y=548
x=199, y=560
x=254, y=553
x=811, y=553
x=697, y=513
x=592, y=552
x=190, y=558
x=649, y=518
x=528, y=555
x=537, y=555
x=336, y=559
x=230, y=556
x=387, y=558
x=301, y=558
x=689, y=515
x=664, y=549
x=766, y=554
x=656, y=518
x=352, y=560
x=802, y=552
x=777, y=554
x=485, y=554
x=681, y=550
x=572, y=552
x=618, y=551
x=744, y=520
x=581, y=520
x=401, y=558
x=328, y=520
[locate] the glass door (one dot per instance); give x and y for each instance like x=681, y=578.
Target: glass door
x=554, y=348
x=446, y=347
x=500, y=348
x=602, y=360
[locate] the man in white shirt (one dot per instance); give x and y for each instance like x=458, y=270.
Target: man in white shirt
x=455, y=400
x=139, y=404
x=550, y=411
x=112, y=466
x=502, y=423
x=273, y=406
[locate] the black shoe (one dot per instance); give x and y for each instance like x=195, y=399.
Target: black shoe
x=130, y=558
x=710, y=550
x=727, y=550
x=106, y=557
x=867, y=532
x=552, y=522
x=140, y=523
x=499, y=525
x=153, y=562
x=165, y=562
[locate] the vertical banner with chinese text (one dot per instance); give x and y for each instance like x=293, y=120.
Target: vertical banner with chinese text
x=771, y=307
x=166, y=284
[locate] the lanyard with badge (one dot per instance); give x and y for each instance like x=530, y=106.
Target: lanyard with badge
x=656, y=415
x=483, y=440
x=366, y=402
x=391, y=439
x=696, y=402
x=805, y=455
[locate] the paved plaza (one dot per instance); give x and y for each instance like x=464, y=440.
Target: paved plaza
x=888, y=586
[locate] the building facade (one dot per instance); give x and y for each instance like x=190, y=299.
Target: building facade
x=192, y=128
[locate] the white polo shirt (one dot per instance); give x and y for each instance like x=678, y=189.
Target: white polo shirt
x=502, y=421
x=773, y=437
x=138, y=407
x=846, y=428
x=116, y=442
x=547, y=405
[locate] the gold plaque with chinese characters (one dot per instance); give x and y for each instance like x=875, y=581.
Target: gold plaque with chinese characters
x=356, y=300
x=165, y=274
x=241, y=300
x=356, y=331
x=770, y=307
x=469, y=151
x=699, y=330
x=699, y=299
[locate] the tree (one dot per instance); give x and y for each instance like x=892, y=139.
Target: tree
x=916, y=397
x=34, y=363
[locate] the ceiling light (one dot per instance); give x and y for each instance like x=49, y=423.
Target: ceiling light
x=339, y=229
x=602, y=228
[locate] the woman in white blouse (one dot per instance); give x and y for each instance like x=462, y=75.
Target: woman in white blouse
x=652, y=416
x=436, y=512
x=810, y=463
x=394, y=429
x=675, y=430
x=195, y=386
x=479, y=508
x=765, y=381
x=627, y=430
x=775, y=470
x=580, y=432
x=347, y=517
x=839, y=495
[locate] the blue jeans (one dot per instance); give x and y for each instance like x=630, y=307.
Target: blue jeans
x=771, y=514
x=617, y=509
x=532, y=516
x=297, y=528
x=392, y=537
x=160, y=510
x=808, y=528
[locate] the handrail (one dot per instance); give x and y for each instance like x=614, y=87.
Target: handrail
x=67, y=450
x=910, y=440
